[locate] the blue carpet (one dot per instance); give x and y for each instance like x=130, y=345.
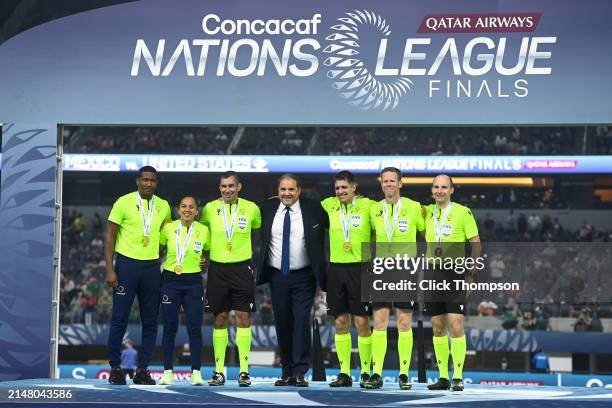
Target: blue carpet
x=73, y=394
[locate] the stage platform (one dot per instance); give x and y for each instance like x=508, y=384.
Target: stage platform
x=88, y=393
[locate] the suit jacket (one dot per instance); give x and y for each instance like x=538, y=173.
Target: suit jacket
x=314, y=218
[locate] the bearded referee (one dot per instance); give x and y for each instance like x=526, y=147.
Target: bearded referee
x=448, y=226
x=349, y=228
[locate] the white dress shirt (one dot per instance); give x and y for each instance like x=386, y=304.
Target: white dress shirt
x=298, y=257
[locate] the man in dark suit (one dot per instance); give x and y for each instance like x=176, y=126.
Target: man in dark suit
x=292, y=262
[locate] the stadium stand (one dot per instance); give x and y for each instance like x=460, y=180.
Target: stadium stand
x=345, y=140
x=86, y=299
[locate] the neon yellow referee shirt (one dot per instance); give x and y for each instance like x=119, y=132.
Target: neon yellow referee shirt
x=200, y=241
x=247, y=219
x=409, y=221
x=459, y=227
x=359, y=228
x=126, y=214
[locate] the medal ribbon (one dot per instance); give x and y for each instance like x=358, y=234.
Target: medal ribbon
x=182, y=250
x=438, y=227
x=229, y=229
x=390, y=228
x=346, y=223
x=149, y=219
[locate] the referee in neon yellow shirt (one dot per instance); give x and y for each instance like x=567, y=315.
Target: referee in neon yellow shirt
x=133, y=228
x=181, y=285
x=448, y=224
x=231, y=282
x=395, y=219
x=349, y=228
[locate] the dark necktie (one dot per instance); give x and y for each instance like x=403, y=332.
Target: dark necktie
x=285, y=267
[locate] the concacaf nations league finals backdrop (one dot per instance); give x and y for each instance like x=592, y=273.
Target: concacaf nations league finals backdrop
x=270, y=62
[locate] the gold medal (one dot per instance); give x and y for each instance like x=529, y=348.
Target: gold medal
x=178, y=269
x=347, y=246
x=229, y=246
x=145, y=241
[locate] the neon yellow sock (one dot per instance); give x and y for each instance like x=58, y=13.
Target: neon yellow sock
x=379, y=349
x=404, y=348
x=458, y=349
x=343, y=349
x=365, y=353
x=440, y=344
x=219, y=346
x=243, y=341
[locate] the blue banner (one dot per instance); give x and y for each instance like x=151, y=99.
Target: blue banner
x=479, y=340
x=316, y=62
x=489, y=165
x=27, y=205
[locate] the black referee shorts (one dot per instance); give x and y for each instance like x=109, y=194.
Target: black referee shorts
x=344, y=290
x=399, y=305
x=230, y=286
x=439, y=302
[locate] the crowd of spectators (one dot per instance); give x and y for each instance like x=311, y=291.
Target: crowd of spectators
x=438, y=141
x=526, y=227
x=520, y=198
x=161, y=140
x=83, y=295
x=275, y=140
x=536, y=315
x=560, y=275
x=603, y=140
x=548, y=260
x=342, y=140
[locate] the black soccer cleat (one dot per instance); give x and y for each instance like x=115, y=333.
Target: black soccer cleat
x=143, y=377
x=300, y=381
x=375, y=382
x=342, y=380
x=217, y=379
x=284, y=381
x=442, y=385
x=117, y=376
x=457, y=384
x=244, y=380
x=363, y=379
x=404, y=384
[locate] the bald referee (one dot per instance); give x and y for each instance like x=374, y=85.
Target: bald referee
x=448, y=226
x=132, y=232
x=231, y=282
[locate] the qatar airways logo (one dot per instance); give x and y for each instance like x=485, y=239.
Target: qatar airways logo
x=432, y=64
